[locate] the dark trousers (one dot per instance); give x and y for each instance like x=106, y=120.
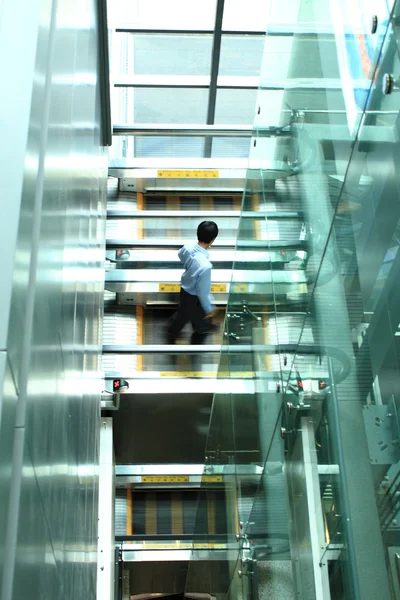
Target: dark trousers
x=189, y=309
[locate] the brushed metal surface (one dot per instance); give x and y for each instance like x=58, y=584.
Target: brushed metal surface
x=125, y=276
x=194, y=470
x=130, y=212
x=50, y=472
x=173, y=555
x=106, y=547
x=165, y=386
x=8, y=401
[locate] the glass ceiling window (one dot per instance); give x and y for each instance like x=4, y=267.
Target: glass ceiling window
x=144, y=54
x=241, y=55
x=179, y=63
x=245, y=15
x=235, y=106
x=161, y=14
x=160, y=105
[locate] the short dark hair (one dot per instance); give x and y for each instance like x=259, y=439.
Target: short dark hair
x=207, y=231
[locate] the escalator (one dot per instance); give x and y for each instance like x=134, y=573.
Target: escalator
x=144, y=232
x=164, y=519
x=154, y=519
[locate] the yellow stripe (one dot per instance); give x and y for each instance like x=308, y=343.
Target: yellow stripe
x=129, y=511
x=212, y=478
x=165, y=478
x=151, y=513
x=211, y=512
x=218, y=288
x=215, y=288
x=176, y=512
x=241, y=374
x=188, y=173
x=172, y=202
x=139, y=200
x=140, y=225
x=257, y=223
x=237, y=202
x=139, y=335
x=206, y=202
x=240, y=288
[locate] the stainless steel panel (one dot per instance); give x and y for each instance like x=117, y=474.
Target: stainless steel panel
x=35, y=570
x=167, y=256
x=164, y=349
x=173, y=555
x=115, y=213
x=106, y=534
x=265, y=241
x=8, y=401
x=207, y=348
x=165, y=386
x=164, y=242
x=191, y=470
x=57, y=301
x=131, y=475
x=315, y=512
x=131, y=212
x=154, y=277
x=15, y=108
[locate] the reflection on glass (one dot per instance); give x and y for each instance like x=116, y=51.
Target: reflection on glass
x=315, y=446
x=159, y=105
x=235, y=106
x=241, y=55
x=142, y=54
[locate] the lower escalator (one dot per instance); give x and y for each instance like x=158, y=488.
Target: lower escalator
x=154, y=518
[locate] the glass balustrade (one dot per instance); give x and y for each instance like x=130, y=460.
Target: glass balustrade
x=309, y=458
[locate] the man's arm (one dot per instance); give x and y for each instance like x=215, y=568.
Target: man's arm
x=181, y=253
x=203, y=290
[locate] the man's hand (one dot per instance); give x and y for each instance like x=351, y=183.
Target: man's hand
x=211, y=314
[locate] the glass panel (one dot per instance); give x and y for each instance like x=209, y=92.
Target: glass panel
x=159, y=105
x=230, y=147
x=349, y=271
x=241, y=55
x=177, y=147
x=235, y=106
x=158, y=14
x=320, y=334
x=171, y=146
x=249, y=16
x=163, y=54
x=309, y=455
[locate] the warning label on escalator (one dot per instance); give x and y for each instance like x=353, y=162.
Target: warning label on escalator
x=216, y=288
x=165, y=478
x=169, y=287
x=188, y=173
x=240, y=288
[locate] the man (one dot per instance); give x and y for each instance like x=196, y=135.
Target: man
x=195, y=301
